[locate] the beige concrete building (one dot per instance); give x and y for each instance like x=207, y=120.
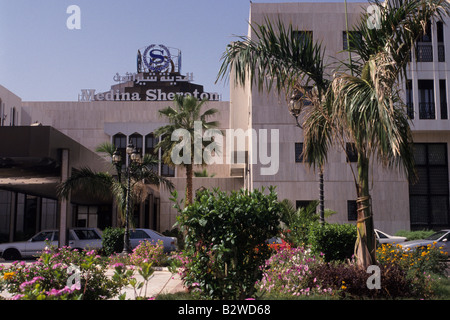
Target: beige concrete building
x=396, y=204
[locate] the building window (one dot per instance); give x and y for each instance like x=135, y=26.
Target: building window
x=150, y=143
x=136, y=140
x=426, y=99
x=409, y=99
x=424, y=48
x=352, y=155
x=443, y=96
x=440, y=40
x=352, y=210
x=167, y=171
x=298, y=152
x=299, y=204
x=120, y=142
x=355, y=38
x=429, y=196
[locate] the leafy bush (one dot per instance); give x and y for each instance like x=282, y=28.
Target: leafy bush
x=299, y=222
x=350, y=281
x=335, y=241
x=414, y=235
x=112, y=240
x=225, y=241
x=288, y=274
x=54, y=277
x=430, y=259
x=147, y=252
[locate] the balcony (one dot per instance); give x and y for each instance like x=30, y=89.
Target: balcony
x=424, y=52
x=426, y=110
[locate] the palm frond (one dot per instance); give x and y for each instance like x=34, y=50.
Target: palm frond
x=97, y=184
x=279, y=58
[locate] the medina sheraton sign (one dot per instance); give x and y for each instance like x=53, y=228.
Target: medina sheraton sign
x=158, y=78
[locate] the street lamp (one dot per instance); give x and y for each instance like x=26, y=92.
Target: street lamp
x=135, y=158
x=295, y=108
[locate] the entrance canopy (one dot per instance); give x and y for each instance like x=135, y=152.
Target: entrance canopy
x=31, y=161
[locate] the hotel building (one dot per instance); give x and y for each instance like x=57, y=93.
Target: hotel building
x=40, y=142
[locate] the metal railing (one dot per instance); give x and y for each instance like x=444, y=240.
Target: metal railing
x=427, y=110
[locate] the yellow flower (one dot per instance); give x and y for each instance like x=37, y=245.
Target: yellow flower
x=8, y=275
x=343, y=287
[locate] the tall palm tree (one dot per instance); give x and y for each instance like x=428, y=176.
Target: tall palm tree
x=361, y=106
x=105, y=184
x=186, y=114
x=367, y=106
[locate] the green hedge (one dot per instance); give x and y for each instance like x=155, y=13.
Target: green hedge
x=335, y=241
x=112, y=240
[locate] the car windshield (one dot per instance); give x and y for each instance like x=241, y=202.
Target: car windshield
x=437, y=235
x=42, y=236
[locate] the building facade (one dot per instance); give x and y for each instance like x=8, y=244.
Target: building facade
x=270, y=157
x=396, y=204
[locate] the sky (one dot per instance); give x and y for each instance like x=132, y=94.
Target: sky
x=41, y=59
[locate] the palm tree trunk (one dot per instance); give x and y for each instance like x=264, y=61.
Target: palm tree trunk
x=189, y=186
x=365, y=243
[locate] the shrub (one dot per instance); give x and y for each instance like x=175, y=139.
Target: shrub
x=288, y=274
x=112, y=240
x=54, y=277
x=420, y=260
x=225, y=241
x=147, y=252
x=351, y=281
x=335, y=241
x=299, y=223
x=414, y=235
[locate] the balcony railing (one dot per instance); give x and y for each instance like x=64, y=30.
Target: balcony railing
x=424, y=52
x=410, y=110
x=426, y=110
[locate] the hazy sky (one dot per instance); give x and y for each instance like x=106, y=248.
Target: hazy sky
x=42, y=60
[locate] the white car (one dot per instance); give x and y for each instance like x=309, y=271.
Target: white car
x=440, y=238
x=383, y=237
x=79, y=238
x=139, y=235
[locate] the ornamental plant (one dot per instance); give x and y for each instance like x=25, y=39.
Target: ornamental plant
x=61, y=273
x=226, y=238
x=288, y=273
x=427, y=259
x=147, y=252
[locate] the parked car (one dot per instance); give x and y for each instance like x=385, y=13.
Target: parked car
x=79, y=238
x=138, y=235
x=383, y=237
x=441, y=238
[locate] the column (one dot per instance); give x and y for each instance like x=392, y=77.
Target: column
x=64, y=204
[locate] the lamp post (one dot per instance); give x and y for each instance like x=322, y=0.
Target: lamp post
x=134, y=158
x=295, y=108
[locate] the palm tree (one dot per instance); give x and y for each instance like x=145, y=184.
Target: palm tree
x=362, y=107
x=367, y=107
x=294, y=65
x=185, y=115
x=104, y=184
